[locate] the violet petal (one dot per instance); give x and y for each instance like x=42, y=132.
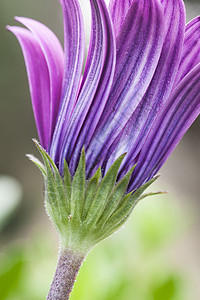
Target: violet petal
x=138, y=49
x=118, y=11
x=178, y=113
x=39, y=81
x=135, y=132
x=54, y=56
x=95, y=85
x=191, y=49
x=74, y=48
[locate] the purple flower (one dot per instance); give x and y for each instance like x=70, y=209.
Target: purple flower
x=139, y=92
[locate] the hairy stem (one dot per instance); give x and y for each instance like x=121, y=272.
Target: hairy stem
x=67, y=269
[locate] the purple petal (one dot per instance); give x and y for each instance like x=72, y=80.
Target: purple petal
x=74, y=44
x=118, y=11
x=191, y=49
x=139, y=45
x=178, y=113
x=39, y=81
x=135, y=132
x=95, y=85
x=54, y=56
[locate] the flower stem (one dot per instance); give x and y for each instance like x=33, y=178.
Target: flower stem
x=67, y=269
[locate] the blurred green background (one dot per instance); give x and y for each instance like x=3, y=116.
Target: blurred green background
x=154, y=257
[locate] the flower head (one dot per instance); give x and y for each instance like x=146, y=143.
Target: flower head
x=138, y=94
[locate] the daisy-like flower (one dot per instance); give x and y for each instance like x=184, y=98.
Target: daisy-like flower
x=106, y=131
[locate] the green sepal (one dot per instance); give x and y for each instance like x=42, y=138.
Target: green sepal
x=87, y=211
x=103, y=193
x=91, y=190
x=67, y=185
x=121, y=214
x=152, y=194
x=78, y=190
x=116, y=197
x=55, y=196
x=37, y=162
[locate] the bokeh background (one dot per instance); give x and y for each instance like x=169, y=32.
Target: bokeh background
x=154, y=257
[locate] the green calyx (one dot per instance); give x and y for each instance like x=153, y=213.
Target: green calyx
x=85, y=212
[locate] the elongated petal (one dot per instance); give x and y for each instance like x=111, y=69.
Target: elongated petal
x=118, y=11
x=74, y=43
x=138, y=49
x=191, y=49
x=54, y=56
x=135, y=132
x=179, y=112
x=96, y=84
x=39, y=81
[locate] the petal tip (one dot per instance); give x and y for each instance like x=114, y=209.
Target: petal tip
x=8, y=27
x=16, y=18
x=12, y=29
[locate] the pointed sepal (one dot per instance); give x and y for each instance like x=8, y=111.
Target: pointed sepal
x=78, y=190
x=103, y=193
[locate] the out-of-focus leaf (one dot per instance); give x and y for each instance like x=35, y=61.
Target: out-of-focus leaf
x=167, y=290
x=11, y=269
x=10, y=197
